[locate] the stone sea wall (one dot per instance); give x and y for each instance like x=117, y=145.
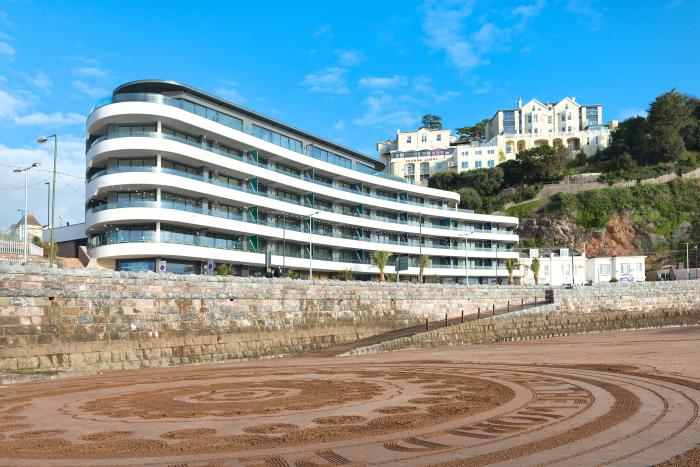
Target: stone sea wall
x=608, y=307
x=97, y=320
x=91, y=319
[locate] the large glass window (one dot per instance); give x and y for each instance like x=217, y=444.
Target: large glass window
x=330, y=157
x=136, y=198
x=136, y=265
x=278, y=138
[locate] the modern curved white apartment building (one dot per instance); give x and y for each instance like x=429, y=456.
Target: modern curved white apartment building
x=182, y=179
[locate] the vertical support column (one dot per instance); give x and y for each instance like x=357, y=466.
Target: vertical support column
x=159, y=196
x=157, y=231
x=159, y=161
x=159, y=127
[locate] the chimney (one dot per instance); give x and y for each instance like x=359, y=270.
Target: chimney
x=573, y=98
x=520, y=103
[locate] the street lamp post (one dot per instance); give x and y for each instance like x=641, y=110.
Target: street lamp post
x=687, y=260
x=311, y=245
x=48, y=202
x=24, y=214
x=41, y=140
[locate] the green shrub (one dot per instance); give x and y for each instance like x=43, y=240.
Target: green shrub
x=524, y=210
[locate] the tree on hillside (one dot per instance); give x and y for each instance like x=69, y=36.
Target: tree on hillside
x=431, y=122
x=445, y=180
x=469, y=198
x=671, y=110
x=475, y=131
x=542, y=164
x=632, y=137
x=668, y=115
x=512, y=173
x=487, y=182
x=691, y=133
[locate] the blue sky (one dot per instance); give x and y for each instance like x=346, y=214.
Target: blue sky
x=354, y=72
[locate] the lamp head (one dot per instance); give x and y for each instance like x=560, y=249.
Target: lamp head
x=17, y=171
x=36, y=164
x=42, y=139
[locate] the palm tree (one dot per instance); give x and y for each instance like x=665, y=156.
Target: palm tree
x=535, y=267
x=424, y=262
x=345, y=275
x=379, y=259
x=223, y=269
x=511, y=264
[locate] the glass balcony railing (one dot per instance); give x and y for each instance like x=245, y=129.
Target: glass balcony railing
x=287, y=199
x=227, y=120
x=271, y=222
x=153, y=134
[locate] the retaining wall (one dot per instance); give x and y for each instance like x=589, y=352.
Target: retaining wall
x=92, y=319
x=89, y=319
x=608, y=307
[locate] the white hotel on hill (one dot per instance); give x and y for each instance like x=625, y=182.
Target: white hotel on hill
x=418, y=155
x=182, y=179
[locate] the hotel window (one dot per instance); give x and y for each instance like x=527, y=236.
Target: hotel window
x=278, y=139
x=529, y=118
x=408, y=140
x=465, y=165
x=533, y=108
x=535, y=118
x=465, y=153
x=491, y=151
x=478, y=152
x=439, y=137
x=491, y=163
x=568, y=129
x=477, y=164
x=563, y=117
x=423, y=138
x=509, y=149
x=568, y=116
x=535, y=130
x=410, y=169
x=549, y=119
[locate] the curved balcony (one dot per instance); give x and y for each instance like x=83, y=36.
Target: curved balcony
x=153, y=111
x=322, y=236
x=295, y=207
x=224, y=119
x=270, y=167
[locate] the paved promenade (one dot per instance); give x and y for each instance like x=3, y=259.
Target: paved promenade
x=621, y=398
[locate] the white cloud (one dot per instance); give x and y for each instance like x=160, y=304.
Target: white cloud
x=53, y=120
x=469, y=46
x=40, y=80
x=350, y=57
x=331, y=80
x=7, y=50
x=323, y=31
x=10, y=105
x=91, y=71
x=591, y=15
x=384, y=110
x=383, y=82
x=229, y=91
x=444, y=30
x=89, y=89
x=339, y=125
x=70, y=189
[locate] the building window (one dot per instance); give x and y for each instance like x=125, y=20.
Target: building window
x=533, y=108
x=423, y=138
x=509, y=149
x=563, y=117
x=477, y=164
x=408, y=140
x=478, y=152
x=568, y=116
x=465, y=153
x=465, y=165
x=535, y=118
x=568, y=129
x=439, y=137
x=529, y=118
x=549, y=119
x=491, y=151
x=410, y=169
x=535, y=130
x=491, y=163
x=604, y=269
